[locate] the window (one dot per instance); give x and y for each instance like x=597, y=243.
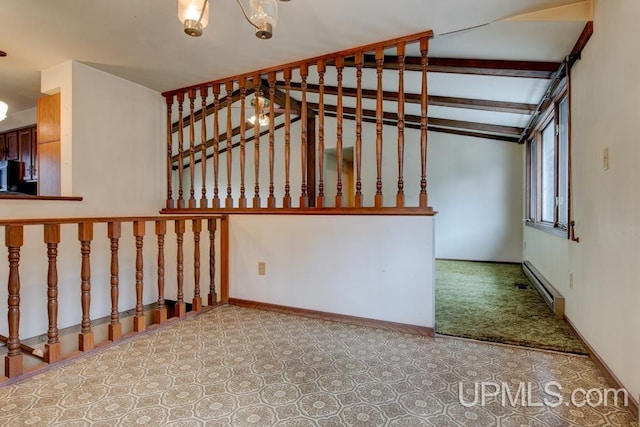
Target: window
x=548, y=170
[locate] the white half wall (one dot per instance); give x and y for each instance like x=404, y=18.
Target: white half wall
x=604, y=301
x=376, y=267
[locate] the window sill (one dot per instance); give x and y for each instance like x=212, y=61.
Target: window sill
x=550, y=229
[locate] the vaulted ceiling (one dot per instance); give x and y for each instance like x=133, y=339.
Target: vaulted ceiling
x=142, y=41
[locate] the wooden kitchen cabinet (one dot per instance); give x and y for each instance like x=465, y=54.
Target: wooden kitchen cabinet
x=29, y=153
x=10, y=148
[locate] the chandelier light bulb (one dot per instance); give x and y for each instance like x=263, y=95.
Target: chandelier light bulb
x=3, y=110
x=264, y=15
x=194, y=14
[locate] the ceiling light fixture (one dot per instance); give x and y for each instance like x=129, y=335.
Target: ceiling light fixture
x=263, y=16
x=3, y=110
x=263, y=119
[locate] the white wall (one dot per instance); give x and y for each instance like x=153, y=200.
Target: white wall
x=603, y=303
x=377, y=267
x=476, y=187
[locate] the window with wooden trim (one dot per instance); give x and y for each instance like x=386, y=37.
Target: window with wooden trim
x=548, y=170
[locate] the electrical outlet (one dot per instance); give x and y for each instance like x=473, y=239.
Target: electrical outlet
x=570, y=280
x=262, y=268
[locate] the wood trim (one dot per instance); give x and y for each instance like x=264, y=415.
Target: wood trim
x=224, y=259
x=407, y=211
x=411, y=38
x=548, y=229
x=611, y=378
x=581, y=43
x=341, y=318
x=28, y=197
x=198, y=214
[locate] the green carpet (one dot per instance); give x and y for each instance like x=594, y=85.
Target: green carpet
x=481, y=301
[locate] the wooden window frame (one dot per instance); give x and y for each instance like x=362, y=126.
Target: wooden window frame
x=551, y=115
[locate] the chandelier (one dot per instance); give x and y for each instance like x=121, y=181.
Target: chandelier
x=263, y=16
x=262, y=118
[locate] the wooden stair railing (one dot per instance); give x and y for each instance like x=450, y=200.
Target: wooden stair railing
x=271, y=93
x=14, y=231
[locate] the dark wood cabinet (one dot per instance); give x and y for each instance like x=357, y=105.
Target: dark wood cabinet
x=28, y=153
x=10, y=147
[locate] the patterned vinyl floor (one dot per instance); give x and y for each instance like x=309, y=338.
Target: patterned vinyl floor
x=241, y=367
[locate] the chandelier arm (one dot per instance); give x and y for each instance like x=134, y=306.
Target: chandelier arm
x=245, y=15
x=204, y=7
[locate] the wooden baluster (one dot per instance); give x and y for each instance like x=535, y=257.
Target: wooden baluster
x=304, y=72
x=216, y=144
x=322, y=68
x=358, y=194
x=242, y=202
x=181, y=308
x=339, y=68
x=379, y=128
x=203, y=145
x=400, y=195
x=228, y=203
x=196, y=227
x=180, y=151
x=85, y=236
x=13, y=365
x=139, y=324
x=213, y=297
x=286, y=200
x=256, y=139
x=52, y=239
x=170, y=204
x=114, y=230
x=424, y=50
x=271, y=201
x=161, y=309
x=192, y=152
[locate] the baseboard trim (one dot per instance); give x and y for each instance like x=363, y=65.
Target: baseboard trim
x=552, y=297
x=611, y=378
x=480, y=261
x=342, y=318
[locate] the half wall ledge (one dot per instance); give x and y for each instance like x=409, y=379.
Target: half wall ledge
x=409, y=211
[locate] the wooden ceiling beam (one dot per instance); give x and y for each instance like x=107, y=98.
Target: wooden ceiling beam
x=412, y=98
x=432, y=128
x=433, y=121
x=481, y=67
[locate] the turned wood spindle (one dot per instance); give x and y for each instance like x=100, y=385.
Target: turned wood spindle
x=271, y=201
x=196, y=227
x=139, y=319
x=321, y=67
x=286, y=200
x=216, y=145
x=304, y=198
x=228, y=202
x=242, y=202
x=13, y=365
x=424, y=50
x=85, y=236
x=192, y=153
x=339, y=119
x=181, y=308
x=52, y=239
x=114, y=230
x=401, y=65
x=203, y=145
x=180, y=150
x=170, y=204
x=161, y=308
x=379, y=128
x=358, y=194
x=213, y=297
x=256, y=139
